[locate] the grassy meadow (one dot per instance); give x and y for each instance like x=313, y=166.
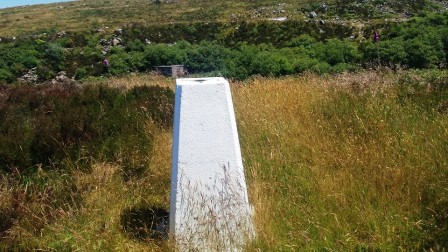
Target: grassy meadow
x=347, y=162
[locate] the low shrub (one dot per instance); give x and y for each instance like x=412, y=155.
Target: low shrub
x=81, y=73
x=52, y=126
x=206, y=57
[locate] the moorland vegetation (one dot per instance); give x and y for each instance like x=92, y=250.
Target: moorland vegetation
x=344, y=140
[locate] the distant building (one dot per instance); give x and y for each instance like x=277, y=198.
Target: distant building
x=172, y=70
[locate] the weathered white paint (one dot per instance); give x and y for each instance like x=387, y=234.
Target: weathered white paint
x=209, y=207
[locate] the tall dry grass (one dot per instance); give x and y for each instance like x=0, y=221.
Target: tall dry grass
x=338, y=163
x=96, y=223
x=343, y=163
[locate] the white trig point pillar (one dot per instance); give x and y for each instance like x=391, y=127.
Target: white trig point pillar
x=209, y=207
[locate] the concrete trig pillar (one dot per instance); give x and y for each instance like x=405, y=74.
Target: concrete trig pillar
x=209, y=206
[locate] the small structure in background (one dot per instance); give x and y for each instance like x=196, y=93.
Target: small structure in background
x=172, y=70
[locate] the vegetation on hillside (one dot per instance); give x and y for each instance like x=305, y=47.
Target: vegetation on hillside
x=265, y=48
x=99, y=14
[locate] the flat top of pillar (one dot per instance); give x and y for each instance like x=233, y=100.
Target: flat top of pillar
x=200, y=81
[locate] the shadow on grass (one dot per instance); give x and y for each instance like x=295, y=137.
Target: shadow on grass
x=7, y=218
x=145, y=223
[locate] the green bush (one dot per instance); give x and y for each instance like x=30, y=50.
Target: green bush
x=135, y=45
x=425, y=51
x=136, y=61
x=119, y=64
x=239, y=63
x=5, y=76
x=335, y=51
x=270, y=63
x=304, y=40
x=16, y=58
x=343, y=67
x=389, y=52
x=84, y=57
x=80, y=73
x=304, y=63
x=54, y=54
x=238, y=50
x=163, y=54
x=321, y=67
x=206, y=57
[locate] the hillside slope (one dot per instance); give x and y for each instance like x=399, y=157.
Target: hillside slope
x=95, y=14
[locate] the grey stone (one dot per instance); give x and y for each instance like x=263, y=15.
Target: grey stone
x=323, y=7
x=61, y=79
x=30, y=76
x=312, y=14
x=116, y=41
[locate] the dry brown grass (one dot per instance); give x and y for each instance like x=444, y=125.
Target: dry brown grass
x=270, y=109
x=334, y=163
x=325, y=174
x=136, y=80
x=95, y=225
